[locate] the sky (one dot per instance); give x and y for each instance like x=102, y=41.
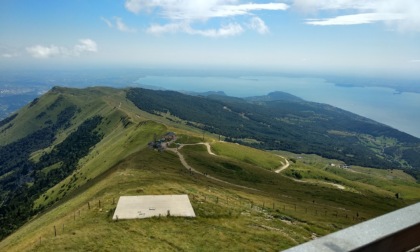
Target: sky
x=372, y=37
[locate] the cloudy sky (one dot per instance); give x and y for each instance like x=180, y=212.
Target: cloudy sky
x=345, y=36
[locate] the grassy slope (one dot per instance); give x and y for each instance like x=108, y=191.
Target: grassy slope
x=119, y=142
x=366, y=181
x=121, y=165
x=248, y=155
x=225, y=219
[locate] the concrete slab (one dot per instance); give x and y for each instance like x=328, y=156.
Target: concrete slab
x=146, y=206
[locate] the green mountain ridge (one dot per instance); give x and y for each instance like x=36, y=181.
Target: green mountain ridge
x=289, y=123
x=69, y=149
x=44, y=142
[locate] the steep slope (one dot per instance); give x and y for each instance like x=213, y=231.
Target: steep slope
x=288, y=123
x=45, y=142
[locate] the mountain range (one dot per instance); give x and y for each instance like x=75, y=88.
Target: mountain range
x=71, y=147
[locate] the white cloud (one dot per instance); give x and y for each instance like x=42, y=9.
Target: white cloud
x=8, y=55
x=193, y=9
x=231, y=29
x=85, y=45
x=118, y=23
x=121, y=26
x=181, y=14
x=362, y=18
x=415, y=61
x=44, y=52
x=107, y=22
x=258, y=25
x=317, y=5
x=400, y=14
x=157, y=29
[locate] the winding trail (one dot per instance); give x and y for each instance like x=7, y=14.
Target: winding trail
x=279, y=170
x=287, y=164
x=190, y=168
x=284, y=167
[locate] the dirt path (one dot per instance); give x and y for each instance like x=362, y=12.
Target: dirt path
x=338, y=186
x=287, y=164
x=279, y=170
x=341, y=187
x=284, y=165
x=190, y=168
x=209, y=149
x=206, y=144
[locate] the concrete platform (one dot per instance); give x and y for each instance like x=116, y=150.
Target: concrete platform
x=139, y=207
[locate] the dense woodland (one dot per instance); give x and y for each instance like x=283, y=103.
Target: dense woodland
x=22, y=180
x=283, y=122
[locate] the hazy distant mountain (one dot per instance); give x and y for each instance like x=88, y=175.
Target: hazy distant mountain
x=274, y=96
x=208, y=93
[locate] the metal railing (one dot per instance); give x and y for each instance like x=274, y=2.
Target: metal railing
x=395, y=231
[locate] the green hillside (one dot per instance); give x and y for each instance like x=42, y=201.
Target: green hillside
x=82, y=149
x=45, y=143
x=280, y=121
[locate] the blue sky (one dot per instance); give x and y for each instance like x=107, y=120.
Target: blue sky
x=372, y=37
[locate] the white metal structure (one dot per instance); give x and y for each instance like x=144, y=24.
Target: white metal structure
x=138, y=207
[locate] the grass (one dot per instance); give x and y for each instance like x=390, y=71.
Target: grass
x=225, y=219
x=356, y=179
x=283, y=213
x=109, y=152
x=279, y=214
x=188, y=139
x=248, y=155
x=276, y=185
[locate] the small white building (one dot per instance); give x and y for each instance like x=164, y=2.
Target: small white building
x=147, y=206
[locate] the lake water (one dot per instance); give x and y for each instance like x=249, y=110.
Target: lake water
x=400, y=111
